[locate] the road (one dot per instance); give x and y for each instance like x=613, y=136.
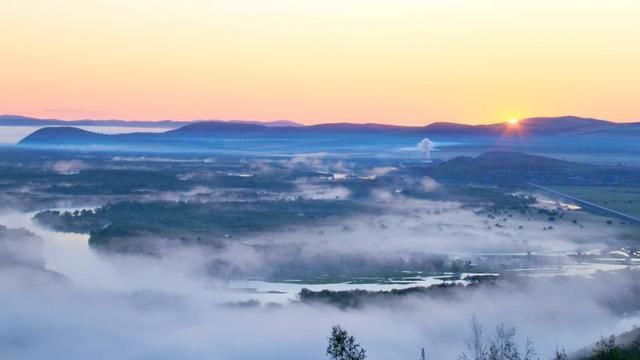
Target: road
x=585, y=203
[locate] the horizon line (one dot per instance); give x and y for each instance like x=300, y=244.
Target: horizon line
x=7, y=115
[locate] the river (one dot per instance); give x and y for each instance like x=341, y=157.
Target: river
x=71, y=255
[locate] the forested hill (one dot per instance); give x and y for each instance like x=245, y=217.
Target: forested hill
x=515, y=168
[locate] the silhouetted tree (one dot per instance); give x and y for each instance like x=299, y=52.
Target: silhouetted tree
x=343, y=346
x=607, y=349
x=560, y=355
x=475, y=344
x=501, y=347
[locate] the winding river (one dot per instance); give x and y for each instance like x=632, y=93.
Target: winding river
x=71, y=255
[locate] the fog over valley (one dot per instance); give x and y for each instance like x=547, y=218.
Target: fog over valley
x=319, y=180
x=147, y=253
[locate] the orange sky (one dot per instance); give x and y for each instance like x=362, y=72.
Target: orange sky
x=393, y=61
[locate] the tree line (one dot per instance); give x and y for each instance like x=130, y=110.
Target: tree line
x=501, y=346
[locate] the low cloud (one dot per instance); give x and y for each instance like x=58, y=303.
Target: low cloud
x=163, y=309
x=171, y=307
x=322, y=191
x=68, y=167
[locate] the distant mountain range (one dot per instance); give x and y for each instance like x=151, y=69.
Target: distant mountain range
x=18, y=120
x=200, y=134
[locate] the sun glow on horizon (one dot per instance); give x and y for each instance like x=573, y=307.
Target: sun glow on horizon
x=513, y=121
x=409, y=62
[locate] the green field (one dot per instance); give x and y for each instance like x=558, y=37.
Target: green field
x=623, y=199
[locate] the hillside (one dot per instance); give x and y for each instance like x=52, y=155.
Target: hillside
x=535, y=130
x=19, y=120
x=565, y=125
x=514, y=168
x=63, y=135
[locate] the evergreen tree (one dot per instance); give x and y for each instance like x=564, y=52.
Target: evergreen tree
x=607, y=349
x=343, y=346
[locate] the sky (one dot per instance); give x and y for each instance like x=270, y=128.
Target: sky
x=407, y=62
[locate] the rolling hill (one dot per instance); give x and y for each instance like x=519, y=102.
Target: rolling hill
x=18, y=120
x=516, y=168
x=536, y=131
